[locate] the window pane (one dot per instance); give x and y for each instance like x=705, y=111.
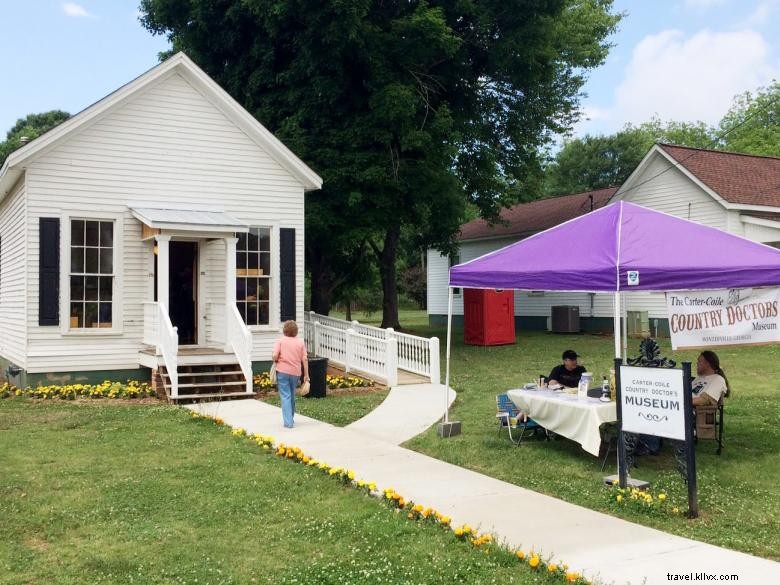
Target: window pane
x=262, y=289
x=253, y=263
x=241, y=244
x=106, y=234
x=251, y=314
x=90, y=314
x=262, y=318
x=76, y=288
x=93, y=233
x=265, y=262
x=241, y=289
x=252, y=240
x=77, y=315
x=77, y=232
x=91, y=260
x=106, y=260
x=106, y=292
x=104, y=314
x=241, y=261
x=251, y=289
x=264, y=235
x=242, y=310
x=91, y=288
x=77, y=259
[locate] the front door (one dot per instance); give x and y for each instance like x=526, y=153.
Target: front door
x=183, y=290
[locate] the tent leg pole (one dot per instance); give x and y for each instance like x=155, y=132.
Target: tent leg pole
x=616, y=303
x=624, y=353
x=447, y=369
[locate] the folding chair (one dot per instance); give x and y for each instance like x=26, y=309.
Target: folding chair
x=509, y=417
x=709, y=421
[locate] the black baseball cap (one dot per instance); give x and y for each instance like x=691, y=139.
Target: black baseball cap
x=570, y=354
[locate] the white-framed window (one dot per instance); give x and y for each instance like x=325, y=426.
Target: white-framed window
x=92, y=273
x=254, y=276
x=454, y=259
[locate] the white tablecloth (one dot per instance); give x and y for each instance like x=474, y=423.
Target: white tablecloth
x=575, y=418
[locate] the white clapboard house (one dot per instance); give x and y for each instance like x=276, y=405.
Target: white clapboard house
x=737, y=193
x=159, y=229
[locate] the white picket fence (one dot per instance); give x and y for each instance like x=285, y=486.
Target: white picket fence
x=372, y=350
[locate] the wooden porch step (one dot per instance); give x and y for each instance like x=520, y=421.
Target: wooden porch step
x=210, y=373
x=212, y=384
x=212, y=395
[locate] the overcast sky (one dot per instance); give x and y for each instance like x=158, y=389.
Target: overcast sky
x=681, y=59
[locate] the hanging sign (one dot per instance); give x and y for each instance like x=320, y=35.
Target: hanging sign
x=737, y=316
x=652, y=401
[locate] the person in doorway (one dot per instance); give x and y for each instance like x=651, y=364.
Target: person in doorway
x=568, y=373
x=710, y=383
x=289, y=355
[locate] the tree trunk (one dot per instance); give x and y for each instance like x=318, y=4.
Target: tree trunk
x=321, y=284
x=348, y=316
x=388, y=275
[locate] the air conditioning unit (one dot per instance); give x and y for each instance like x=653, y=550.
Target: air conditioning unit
x=565, y=319
x=637, y=324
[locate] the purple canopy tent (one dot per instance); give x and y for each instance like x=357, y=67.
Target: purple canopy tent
x=602, y=250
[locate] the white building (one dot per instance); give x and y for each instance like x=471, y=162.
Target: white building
x=737, y=193
x=164, y=205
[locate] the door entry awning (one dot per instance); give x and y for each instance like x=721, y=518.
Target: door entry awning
x=188, y=220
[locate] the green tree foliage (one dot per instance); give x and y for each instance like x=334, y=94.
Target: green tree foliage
x=32, y=126
x=408, y=110
x=752, y=125
x=597, y=162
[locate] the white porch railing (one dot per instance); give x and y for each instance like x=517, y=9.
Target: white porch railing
x=168, y=345
x=239, y=340
x=411, y=353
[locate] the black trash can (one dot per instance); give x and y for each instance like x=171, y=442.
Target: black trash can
x=318, y=372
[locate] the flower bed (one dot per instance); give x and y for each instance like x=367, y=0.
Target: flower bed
x=557, y=572
x=262, y=382
x=106, y=389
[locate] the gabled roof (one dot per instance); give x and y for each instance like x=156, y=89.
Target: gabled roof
x=528, y=218
x=741, y=179
x=181, y=64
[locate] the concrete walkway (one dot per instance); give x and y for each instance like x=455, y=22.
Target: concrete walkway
x=601, y=546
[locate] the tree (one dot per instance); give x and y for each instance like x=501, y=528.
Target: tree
x=597, y=162
x=409, y=110
x=752, y=125
x=31, y=127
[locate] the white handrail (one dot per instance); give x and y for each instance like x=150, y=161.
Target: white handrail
x=168, y=345
x=240, y=340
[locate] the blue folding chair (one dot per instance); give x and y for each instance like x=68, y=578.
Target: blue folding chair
x=510, y=418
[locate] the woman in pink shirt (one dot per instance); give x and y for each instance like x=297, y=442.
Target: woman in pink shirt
x=289, y=355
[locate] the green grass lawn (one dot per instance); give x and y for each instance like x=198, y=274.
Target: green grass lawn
x=336, y=408
x=739, y=491
x=115, y=493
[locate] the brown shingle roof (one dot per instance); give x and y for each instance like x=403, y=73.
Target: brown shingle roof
x=527, y=218
x=738, y=178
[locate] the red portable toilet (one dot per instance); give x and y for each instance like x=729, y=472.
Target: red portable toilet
x=488, y=316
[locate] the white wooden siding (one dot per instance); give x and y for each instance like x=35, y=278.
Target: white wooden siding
x=13, y=212
x=168, y=144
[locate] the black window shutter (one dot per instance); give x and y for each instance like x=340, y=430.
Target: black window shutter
x=49, y=271
x=287, y=272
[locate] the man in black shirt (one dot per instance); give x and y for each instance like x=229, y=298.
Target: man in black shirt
x=568, y=373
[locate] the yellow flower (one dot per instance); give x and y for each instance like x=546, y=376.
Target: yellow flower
x=458, y=532
x=676, y=510
x=571, y=577
x=619, y=498
x=552, y=567
x=534, y=561
x=662, y=496
x=520, y=555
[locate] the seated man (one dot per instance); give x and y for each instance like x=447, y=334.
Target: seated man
x=710, y=383
x=569, y=372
